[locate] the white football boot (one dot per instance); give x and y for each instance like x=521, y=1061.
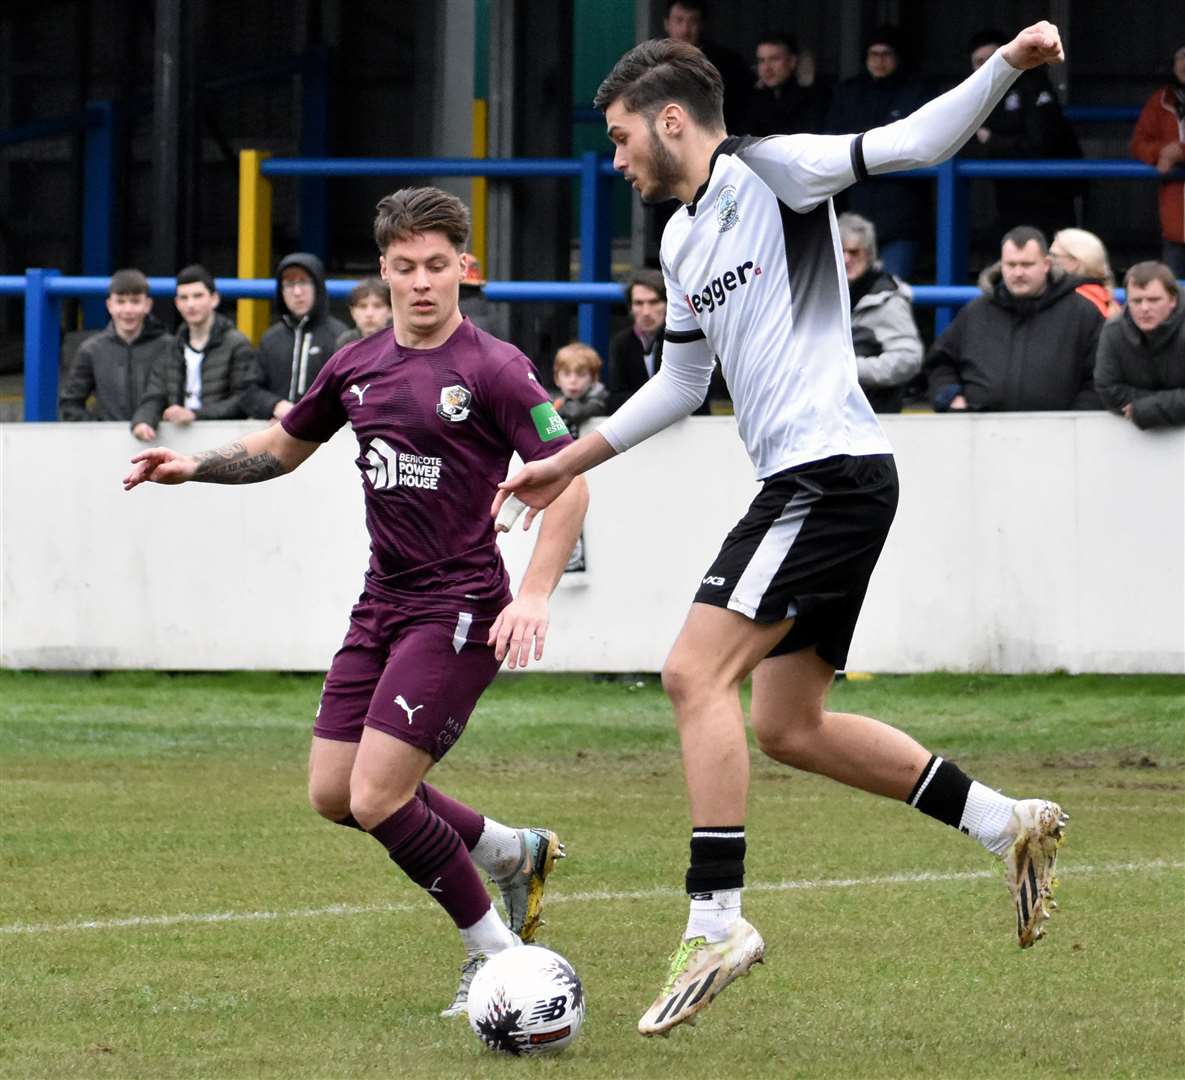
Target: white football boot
x=700, y=969
x=522, y=890
x=1038, y=828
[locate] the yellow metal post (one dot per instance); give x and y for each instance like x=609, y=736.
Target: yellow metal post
x=255, y=239
x=479, y=189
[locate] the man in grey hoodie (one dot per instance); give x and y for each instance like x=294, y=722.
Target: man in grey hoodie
x=295, y=347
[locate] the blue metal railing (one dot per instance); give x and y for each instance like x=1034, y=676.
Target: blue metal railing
x=594, y=172
x=43, y=289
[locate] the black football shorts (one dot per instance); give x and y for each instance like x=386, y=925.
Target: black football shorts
x=805, y=551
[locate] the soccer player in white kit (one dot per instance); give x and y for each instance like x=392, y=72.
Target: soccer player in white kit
x=755, y=275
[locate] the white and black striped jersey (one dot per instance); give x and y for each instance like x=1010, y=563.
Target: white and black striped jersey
x=755, y=275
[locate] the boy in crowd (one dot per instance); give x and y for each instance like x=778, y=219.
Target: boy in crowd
x=115, y=364
x=370, y=308
x=296, y=346
x=577, y=370
x=210, y=365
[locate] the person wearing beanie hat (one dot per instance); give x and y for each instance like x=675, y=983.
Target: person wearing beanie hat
x=1159, y=140
x=1028, y=123
x=880, y=94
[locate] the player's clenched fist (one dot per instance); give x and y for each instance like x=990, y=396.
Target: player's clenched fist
x=159, y=466
x=1035, y=45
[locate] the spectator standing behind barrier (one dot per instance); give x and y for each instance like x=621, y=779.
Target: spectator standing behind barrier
x=297, y=345
x=1028, y=123
x=1029, y=345
x=884, y=335
x=1140, y=370
x=778, y=104
x=685, y=22
x=880, y=94
x=1159, y=140
x=635, y=354
x=210, y=365
x=1084, y=255
x=370, y=308
x=114, y=365
x=577, y=368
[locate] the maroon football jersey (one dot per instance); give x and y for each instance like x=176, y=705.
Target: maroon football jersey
x=436, y=429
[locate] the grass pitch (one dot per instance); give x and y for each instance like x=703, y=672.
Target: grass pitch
x=169, y=907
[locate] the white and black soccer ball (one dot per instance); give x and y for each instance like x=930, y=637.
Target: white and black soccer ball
x=526, y=1000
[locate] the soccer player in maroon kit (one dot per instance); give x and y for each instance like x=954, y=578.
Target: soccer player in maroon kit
x=438, y=408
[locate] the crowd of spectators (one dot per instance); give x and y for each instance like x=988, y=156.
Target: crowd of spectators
x=1047, y=333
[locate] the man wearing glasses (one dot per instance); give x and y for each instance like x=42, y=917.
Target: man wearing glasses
x=295, y=347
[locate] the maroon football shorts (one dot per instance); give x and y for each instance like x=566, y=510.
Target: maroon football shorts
x=414, y=674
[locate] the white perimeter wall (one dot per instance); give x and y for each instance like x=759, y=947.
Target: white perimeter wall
x=1023, y=543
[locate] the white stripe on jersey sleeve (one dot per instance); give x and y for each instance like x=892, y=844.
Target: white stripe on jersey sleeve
x=815, y=167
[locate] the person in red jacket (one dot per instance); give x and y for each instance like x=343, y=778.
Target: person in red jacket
x=1159, y=140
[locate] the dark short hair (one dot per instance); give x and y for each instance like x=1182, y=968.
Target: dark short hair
x=371, y=286
x=648, y=279
x=128, y=282
x=775, y=37
x=196, y=274
x=411, y=211
x=1144, y=273
x=987, y=36
x=690, y=5
x=1021, y=235
x=657, y=72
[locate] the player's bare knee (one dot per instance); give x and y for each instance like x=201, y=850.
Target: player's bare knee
x=373, y=803
x=330, y=802
x=787, y=738
x=680, y=682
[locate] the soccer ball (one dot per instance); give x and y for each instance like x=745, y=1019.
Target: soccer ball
x=526, y=1000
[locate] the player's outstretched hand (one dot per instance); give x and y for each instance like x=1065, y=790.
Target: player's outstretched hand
x=1035, y=45
x=538, y=484
x=159, y=466
x=521, y=622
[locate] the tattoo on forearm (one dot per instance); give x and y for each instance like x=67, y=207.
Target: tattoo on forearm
x=232, y=465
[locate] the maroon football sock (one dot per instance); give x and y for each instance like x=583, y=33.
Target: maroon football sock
x=426, y=848
x=467, y=822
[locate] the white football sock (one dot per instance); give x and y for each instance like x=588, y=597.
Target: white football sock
x=488, y=935
x=986, y=816
x=499, y=851
x=712, y=914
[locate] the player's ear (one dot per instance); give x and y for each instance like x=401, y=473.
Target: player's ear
x=383, y=267
x=672, y=119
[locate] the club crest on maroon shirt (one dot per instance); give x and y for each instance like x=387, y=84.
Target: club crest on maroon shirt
x=454, y=404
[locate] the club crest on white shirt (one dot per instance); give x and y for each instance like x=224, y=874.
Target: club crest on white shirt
x=727, y=214
x=454, y=404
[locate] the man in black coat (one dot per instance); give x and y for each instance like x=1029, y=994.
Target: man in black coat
x=210, y=365
x=1140, y=368
x=295, y=347
x=778, y=105
x=1029, y=345
x=1028, y=123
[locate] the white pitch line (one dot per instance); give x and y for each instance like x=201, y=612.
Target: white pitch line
x=922, y=877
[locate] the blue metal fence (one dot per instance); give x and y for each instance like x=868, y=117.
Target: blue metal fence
x=43, y=289
x=594, y=171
